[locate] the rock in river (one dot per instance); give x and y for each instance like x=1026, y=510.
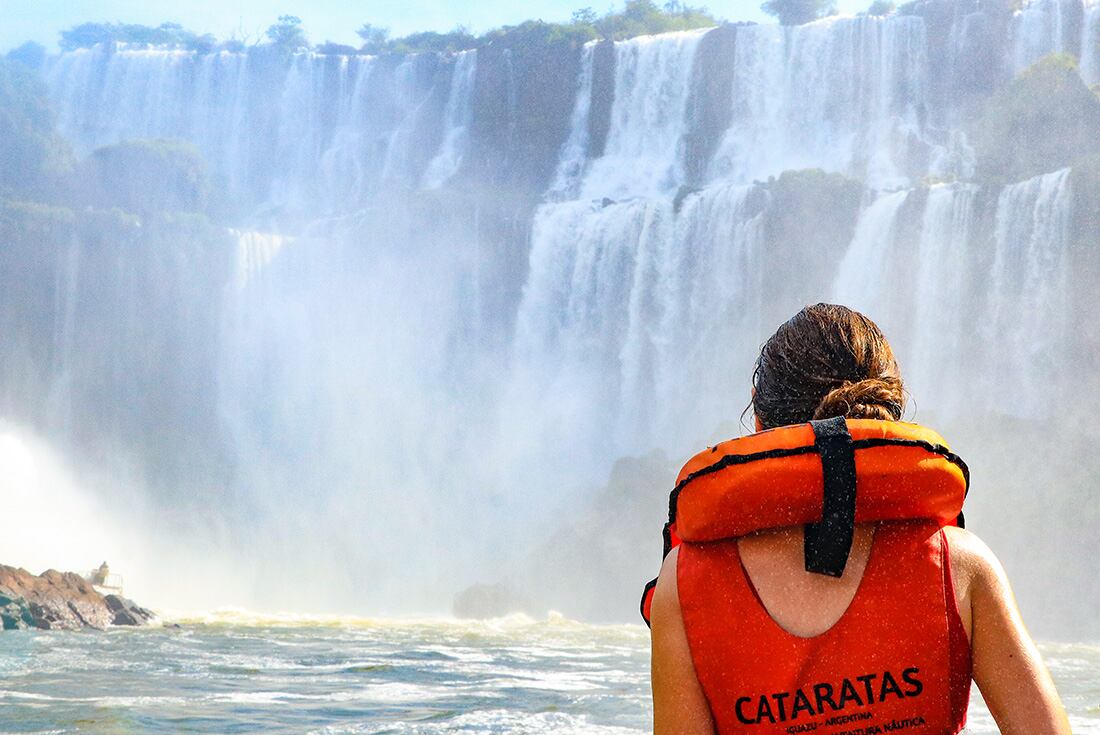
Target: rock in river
x=61, y=601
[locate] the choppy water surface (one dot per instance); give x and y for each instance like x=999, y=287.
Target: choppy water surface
x=230, y=673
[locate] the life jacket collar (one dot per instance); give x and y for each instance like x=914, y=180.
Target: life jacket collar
x=825, y=475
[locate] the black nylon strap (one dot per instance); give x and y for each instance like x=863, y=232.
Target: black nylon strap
x=829, y=542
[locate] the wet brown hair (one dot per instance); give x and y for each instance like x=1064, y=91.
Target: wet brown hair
x=827, y=360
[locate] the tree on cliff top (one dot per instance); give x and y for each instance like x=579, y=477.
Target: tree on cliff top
x=643, y=17
x=454, y=41
x=798, y=12
x=881, y=7
x=87, y=35
x=31, y=55
x=288, y=34
x=375, y=38
x=1046, y=119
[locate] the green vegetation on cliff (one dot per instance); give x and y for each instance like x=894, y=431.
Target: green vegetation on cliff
x=881, y=7
x=141, y=177
x=34, y=157
x=798, y=12
x=642, y=17
x=1046, y=119
x=287, y=34
x=144, y=177
x=637, y=17
x=87, y=35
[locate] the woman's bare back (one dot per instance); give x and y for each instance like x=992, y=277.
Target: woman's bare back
x=803, y=603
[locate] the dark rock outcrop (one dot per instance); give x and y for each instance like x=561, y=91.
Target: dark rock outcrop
x=128, y=612
x=603, y=97
x=15, y=613
x=61, y=601
x=594, y=566
x=710, y=103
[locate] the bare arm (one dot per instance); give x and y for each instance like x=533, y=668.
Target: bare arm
x=1014, y=682
x=679, y=705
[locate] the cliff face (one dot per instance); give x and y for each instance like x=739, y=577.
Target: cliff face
x=61, y=601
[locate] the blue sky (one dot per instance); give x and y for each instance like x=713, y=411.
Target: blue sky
x=336, y=20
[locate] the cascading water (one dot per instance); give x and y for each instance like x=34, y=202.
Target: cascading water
x=844, y=94
x=457, y=119
x=336, y=129
x=353, y=379
x=573, y=158
x=929, y=301
x=863, y=277
x=652, y=80
x=1090, y=44
x=108, y=96
x=626, y=304
x=1027, y=310
x=1039, y=28
x=942, y=285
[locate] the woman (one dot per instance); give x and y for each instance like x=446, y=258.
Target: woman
x=745, y=639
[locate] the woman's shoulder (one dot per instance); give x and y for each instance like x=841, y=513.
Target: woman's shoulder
x=971, y=559
x=980, y=581
x=666, y=578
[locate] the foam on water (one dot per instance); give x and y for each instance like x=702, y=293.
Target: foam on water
x=281, y=674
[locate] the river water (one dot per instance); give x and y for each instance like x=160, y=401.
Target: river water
x=235, y=672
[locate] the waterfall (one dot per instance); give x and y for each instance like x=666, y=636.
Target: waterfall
x=864, y=277
x=843, y=94
x=410, y=97
x=573, y=157
x=299, y=136
x=326, y=133
x=127, y=93
x=325, y=416
x=1090, y=45
x=255, y=251
x=1026, y=314
x=642, y=154
x=60, y=398
x=944, y=309
x=936, y=367
x=108, y=95
x=457, y=120
x=1038, y=29
x=626, y=304
x=334, y=354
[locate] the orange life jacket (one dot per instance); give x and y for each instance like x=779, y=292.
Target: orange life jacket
x=898, y=659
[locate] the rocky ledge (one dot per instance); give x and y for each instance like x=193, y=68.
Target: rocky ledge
x=61, y=601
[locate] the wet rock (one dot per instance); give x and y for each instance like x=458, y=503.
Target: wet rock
x=57, y=600
x=127, y=612
x=15, y=613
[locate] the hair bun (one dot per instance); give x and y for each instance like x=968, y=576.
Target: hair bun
x=872, y=398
